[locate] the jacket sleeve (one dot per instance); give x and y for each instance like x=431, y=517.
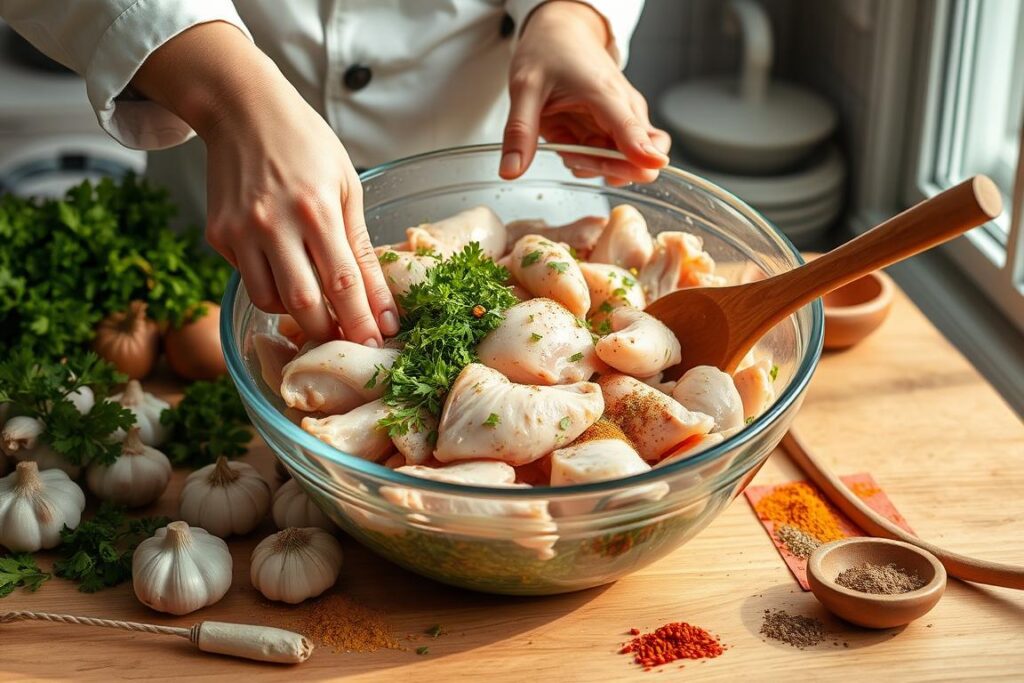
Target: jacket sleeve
x=106, y=41
x=621, y=16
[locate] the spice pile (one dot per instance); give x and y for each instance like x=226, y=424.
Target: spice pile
x=798, y=505
x=797, y=542
x=879, y=579
x=793, y=629
x=341, y=623
x=676, y=640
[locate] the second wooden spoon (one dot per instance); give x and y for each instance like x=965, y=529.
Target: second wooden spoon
x=718, y=325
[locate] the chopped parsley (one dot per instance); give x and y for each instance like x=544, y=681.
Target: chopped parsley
x=20, y=570
x=388, y=257
x=492, y=420
x=564, y=423
x=536, y=337
x=558, y=266
x=423, y=650
x=749, y=420
x=619, y=292
x=435, y=631
x=606, y=307
x=530, y=258
x=774, y=373
x=578, y=356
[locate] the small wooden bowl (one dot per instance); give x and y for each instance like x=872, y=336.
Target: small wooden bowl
x=868, y=609
x=854, y=311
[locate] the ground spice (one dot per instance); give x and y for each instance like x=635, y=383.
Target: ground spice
x=879, y=579
x=796, y=541
x=798, y=504
x=793, y=629
x=339, y=622
x=676, y=640
x=602, y=429
x=863, y=489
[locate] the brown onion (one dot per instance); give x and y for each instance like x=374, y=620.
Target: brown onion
x=193, y=350
x=130, y=340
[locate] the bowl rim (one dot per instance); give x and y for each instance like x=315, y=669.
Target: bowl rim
x=801, y=377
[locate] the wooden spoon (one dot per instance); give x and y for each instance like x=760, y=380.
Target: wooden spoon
x=718, y=325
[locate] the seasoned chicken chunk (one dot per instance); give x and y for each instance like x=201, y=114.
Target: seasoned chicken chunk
x=449, y=235
x=610, y=287
x=625, y=241
x=679, y=261
x=581, y=235
x=653, y=422
x=403, y=269
x=708, y=390
x=417, y=444
x=357, y=432
x=273, y=353
x=487, y=416
x=547, y=269
x=540, y=342
x=691, y=447
x=756, y=387
x=332, y=377
x=639, y=344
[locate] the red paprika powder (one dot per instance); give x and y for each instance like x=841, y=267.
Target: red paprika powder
x=673, y=641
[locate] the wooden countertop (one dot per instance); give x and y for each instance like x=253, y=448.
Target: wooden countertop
x=904, y=406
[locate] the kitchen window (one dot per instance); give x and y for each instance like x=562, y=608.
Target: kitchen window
x=973, y=117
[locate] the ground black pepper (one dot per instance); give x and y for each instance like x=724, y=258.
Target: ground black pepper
x=879, y=579
x=793, y=629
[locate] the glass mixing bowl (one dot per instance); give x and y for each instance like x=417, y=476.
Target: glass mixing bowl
x=533, y=541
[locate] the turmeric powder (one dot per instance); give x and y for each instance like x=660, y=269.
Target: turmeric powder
x=798, y=504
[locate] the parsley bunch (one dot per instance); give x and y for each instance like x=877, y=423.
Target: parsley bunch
x=98, y=553
x=20, y=570
x=210, y=421
x=447, y=315
x=67, y=263
x=42, y=390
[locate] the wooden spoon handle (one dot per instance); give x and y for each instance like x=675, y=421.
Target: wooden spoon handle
x=960, y=566
x=933, y=221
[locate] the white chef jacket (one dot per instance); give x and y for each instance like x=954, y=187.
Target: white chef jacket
x=437, y=68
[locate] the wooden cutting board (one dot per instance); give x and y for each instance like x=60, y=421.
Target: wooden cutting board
x=904, y=406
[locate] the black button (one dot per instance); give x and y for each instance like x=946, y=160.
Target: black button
x=358, y=77
x=508, y=26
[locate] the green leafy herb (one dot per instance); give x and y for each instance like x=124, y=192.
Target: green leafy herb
x=749, y=420
x=774, y=373
x=427, y=251
x=423, y=650
x=578, y=356
x=603, y=327
x=435, y=631
x=440, y=333
x=619, y=292
x=628, y=282
x=492, y=420
x=210, y=421
x=536, y=337
x=388, y=257
x=531, y=258
x=558, y=266
x=98, y=553
x=20, y=570
x=564, y=423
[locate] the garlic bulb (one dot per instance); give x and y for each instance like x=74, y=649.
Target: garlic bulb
x=225, y=498
x=20, y=440
x=83, y=399
x=35, y=506
x=294, y=507
x=181, y=569
x=138, y=476
x=147, y=408
x=295, y=564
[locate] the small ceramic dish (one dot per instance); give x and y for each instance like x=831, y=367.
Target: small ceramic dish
x=869, y=609
x=855, y=310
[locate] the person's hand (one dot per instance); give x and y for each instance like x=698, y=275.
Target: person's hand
x=567, y=88
x=284, y=203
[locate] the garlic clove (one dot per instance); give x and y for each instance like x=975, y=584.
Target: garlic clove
x=181, y=569
x=296, y=564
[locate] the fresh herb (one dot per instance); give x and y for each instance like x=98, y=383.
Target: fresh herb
x=423, y=650
x=531, y=258
x=42, y=390
x=20, y=570
x=98, y=553
x=774, y=372
x=492, y=420
x=427, y=251
x=564, y=423
x=210, y=421
x=606, y=307
x=578, y=356
x=558, y=266
x=388, y=257
x=619, y=292
x=628, y=282
x=435, y=631
x=603, y=327
x=440, y=334
x=536, y=337
x=67, y=263
x=749, y=420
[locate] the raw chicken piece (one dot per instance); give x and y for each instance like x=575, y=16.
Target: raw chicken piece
x=756, y=387
x=653, y=422
x=528, y=522
x=536, y=473
x=610, y=287
x=356, y=432
x=398, y=246
x=486, y=416
x=679, y=261
x=691, y=447
x=547, y=269
x=625, y=241
x=639, y=344
x=418, y=445
x=332, y=377
x=273, y=353
x=710, y=391
x=290, y=329
x=449, y=235
x=403, y=269
x=581, y=235
x=655, y=381
x=394, y=461
x=540, y=342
